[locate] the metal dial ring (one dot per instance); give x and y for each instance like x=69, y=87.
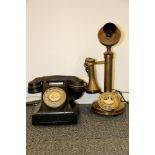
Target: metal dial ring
x=108, y=101
x=54, y=97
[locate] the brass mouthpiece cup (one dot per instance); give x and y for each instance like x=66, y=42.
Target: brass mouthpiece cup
x=109, y=34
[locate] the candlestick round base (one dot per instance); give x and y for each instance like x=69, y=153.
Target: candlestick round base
x=98, y=110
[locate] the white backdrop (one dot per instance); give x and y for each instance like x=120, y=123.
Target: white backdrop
x=61, y=34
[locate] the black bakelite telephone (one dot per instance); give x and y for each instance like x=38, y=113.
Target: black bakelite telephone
x=58, y=95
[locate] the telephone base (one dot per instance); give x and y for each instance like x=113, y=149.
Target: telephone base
x=68, y=115
x=96, y=109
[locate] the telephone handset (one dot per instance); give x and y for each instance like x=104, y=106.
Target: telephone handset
x=58, y=97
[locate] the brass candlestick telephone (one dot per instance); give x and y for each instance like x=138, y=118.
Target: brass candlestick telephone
x=109, y=102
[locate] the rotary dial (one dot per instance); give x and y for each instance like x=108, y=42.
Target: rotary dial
x=109, y=101
x=54, y=97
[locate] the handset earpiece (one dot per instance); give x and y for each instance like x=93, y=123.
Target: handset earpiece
x=109, y=34
x=109, y=29
x=76, y=87
x=35, y=86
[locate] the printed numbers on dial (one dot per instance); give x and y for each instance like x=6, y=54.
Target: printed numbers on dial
x=54, y=97
x=108, y=101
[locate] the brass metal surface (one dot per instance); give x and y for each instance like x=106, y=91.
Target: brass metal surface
x=108, y=35
x=108, y=56
x=99, y=62
x=108, y=104
x=98, y=110
x=54, y=97
x=109, y=101
x=109, y=40
x=92, y=86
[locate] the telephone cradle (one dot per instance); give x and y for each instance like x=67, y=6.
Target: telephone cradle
x=68, y=115
x=58, y=95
